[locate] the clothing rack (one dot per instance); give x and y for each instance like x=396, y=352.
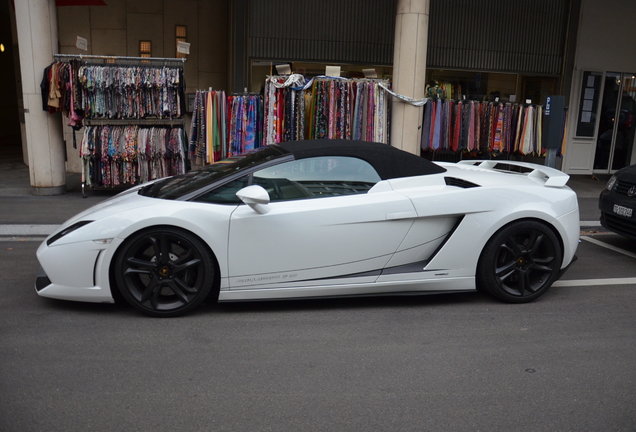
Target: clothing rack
x=152, y=61
x=145, y=121
x=134, y=125
x=132, y=108
x=455, y=129
x=117, y=154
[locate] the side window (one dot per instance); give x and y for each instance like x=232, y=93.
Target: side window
x=225, y=194
x=316, y=178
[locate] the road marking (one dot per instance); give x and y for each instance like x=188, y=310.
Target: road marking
x=27, y=230
x=608, y=246
x=595, y=282
x=590, y=223
x=22, y=239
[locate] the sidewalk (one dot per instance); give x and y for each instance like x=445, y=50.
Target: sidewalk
x=19, y=207
x=588, y=188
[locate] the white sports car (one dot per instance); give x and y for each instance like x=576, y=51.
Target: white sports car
x=323, y=218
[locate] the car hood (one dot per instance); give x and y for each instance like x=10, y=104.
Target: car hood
x=106, y=219
x=627, y=174
x=110, y=206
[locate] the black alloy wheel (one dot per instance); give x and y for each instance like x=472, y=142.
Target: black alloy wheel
x=164, y=271
x=520, y=262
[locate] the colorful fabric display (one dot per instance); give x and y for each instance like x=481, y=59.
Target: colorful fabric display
x=116, y=155
x=118, y=92
x=334, y=108
x=289, y=109
x=224, y=126
x=121, y=150
x=84, y=90
x=284, y=111
x=244, y=123
x=208, y=130
x=484, y=127
x=349, y=109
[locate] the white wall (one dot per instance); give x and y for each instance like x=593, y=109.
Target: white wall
x=607, y=35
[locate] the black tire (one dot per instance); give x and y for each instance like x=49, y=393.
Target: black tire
x=520, y=262
x=164, y=271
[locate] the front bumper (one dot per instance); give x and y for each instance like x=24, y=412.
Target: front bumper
x=77, y=272
x=45, y=288
x=614, y=208
x=41, y=280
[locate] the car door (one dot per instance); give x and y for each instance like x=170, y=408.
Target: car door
x=328, y=222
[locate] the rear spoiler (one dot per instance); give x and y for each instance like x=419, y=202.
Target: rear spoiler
x=552, y=177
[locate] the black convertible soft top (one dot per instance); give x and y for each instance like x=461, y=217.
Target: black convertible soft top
x=389, y=162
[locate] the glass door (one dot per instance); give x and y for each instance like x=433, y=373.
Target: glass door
x=615, y=138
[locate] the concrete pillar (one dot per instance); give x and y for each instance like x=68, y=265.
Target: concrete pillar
x=409, y=72
x=37, y=42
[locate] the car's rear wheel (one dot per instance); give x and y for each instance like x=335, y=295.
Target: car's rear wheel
x=520, y=262
x=164, y=271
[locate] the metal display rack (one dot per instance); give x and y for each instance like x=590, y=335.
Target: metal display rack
x=123, y=61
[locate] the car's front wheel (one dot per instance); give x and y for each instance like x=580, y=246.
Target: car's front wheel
x=520, y=262
x=164, y=271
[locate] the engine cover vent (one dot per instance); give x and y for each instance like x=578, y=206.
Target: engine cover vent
x=452, y=181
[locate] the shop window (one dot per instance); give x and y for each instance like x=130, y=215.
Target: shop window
x=145, y=49
x=536, y=89
x=261, y=69
x=489, y=86
x=481, y=86
x=181, y=35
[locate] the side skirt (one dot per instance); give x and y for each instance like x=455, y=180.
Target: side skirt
x=412, y=287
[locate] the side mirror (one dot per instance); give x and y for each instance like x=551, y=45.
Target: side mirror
x=256, y=197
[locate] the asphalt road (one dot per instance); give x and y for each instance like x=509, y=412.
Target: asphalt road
x=460, y=362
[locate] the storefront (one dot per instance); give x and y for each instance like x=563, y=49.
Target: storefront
x=514, y=51
x=603, y=129
x=481, y=51
x=491, y=86
x=603, y=102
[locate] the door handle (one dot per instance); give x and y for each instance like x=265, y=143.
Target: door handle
x=402, y=215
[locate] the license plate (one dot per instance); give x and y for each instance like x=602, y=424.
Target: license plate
x=623, y=211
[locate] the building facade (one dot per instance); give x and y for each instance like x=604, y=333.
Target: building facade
x=481, y=49
x=603, y=90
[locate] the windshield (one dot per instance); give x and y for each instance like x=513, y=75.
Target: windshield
x=179, y=186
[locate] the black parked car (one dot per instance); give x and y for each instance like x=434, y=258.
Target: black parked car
x=618, y=203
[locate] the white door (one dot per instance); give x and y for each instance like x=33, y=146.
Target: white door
x=321, y=224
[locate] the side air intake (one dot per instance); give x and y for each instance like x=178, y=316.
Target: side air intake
x=452, y=181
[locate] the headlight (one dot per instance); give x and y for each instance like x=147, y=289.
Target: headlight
x=610, y=183
x=66, y=231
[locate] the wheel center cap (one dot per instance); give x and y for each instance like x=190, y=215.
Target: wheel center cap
x=520, y=261
x=164, y=271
